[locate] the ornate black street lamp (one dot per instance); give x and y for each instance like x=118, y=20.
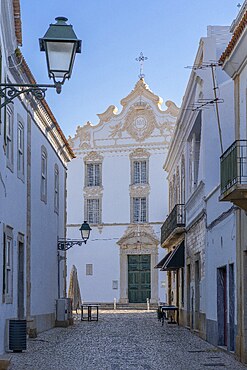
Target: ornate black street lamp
x=60, y=45
x=65, y=244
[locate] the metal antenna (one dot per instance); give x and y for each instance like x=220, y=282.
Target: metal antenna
x=141, y=60
x=212, y=65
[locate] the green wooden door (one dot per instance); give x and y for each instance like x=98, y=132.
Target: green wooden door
x=139, y=278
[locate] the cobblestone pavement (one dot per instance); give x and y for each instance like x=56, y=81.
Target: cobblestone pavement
x=122, y=340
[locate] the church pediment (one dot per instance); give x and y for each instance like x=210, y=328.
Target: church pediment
x=141, y=119
x=138, y=235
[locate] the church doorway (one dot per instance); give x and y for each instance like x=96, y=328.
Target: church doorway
x=139, y=278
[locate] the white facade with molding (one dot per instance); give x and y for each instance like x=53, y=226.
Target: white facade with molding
x=140, y=132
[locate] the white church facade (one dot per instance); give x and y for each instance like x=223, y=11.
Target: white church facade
x=116, y=183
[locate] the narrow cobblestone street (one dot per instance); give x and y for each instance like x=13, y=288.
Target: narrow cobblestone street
x=121, y=340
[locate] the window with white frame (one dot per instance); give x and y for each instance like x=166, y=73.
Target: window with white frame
x=9, y=137
x=43, y=185
x=139, y=172
x=56, y=188
x=20, y=151
x=89, y=269
x=93, y=214
x=140, y=209
x=8, y=265
x=93, y=174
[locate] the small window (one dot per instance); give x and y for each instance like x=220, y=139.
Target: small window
x=93, y=174
x=140, y=209
x=56, y=189
x=20, y=151
x=93, y=211
x=89, y=269
x=43, y=186
x=114, y=284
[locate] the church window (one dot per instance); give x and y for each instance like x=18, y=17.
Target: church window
x=139, y=172
x=93, y=174
x=140, y=209
x=93, y=211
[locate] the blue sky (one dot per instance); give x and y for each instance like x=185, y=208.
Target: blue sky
x=114, y=32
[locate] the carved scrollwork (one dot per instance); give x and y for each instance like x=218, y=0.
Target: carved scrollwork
x=93, y=157
x=93, y=191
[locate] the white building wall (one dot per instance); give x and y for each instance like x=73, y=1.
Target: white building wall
x=46, y=225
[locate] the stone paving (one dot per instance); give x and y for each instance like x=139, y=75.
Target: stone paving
x=122, y=340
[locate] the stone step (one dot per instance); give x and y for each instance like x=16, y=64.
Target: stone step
x=126, y=306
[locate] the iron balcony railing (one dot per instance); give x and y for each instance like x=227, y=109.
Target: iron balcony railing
x=233, y=165
x=175, y=219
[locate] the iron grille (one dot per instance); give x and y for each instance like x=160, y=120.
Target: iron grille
x=233, y=165
x=175, y=219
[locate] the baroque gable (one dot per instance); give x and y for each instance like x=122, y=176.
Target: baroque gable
x=140, y=121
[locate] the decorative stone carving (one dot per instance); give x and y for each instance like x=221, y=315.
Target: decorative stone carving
x=139, y=234
x=139, y=190
x=142, y=89
x=139, y=126
x=139, y=153
x=93, y=191
x=107, y=115
x=171, y=108
x=116, y=131
x=93, y=157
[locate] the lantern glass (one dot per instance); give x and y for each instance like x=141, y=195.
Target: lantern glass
x=85, y=231
x=60, y=57
x=60, y=45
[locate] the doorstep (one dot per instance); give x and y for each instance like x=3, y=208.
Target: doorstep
x=5, y=362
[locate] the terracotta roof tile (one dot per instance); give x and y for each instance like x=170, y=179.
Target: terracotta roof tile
x=17, y=19
x=236, y=36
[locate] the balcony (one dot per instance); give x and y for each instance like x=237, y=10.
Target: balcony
x=233, y=174
x=173, y=227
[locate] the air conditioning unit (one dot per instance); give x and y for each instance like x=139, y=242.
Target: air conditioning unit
x=17, y=335
x=63, y=309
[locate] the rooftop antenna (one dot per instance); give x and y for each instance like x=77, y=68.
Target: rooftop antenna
x=204, y=102
x=141, y=59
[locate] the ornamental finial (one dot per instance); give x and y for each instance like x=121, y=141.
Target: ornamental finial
x=141, y=60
